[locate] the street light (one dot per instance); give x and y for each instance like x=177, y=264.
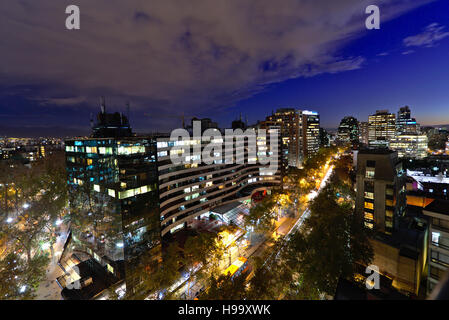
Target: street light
x=26, y=206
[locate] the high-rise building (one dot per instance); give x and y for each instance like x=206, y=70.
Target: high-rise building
x=348, y=130
x=289, y=121
x=411, y=145
x=438, y=241
x=380, y=189
x=405, y=124
x=324, y=138
x=114, y=203
x=126, y=194
x=364, y=132
x=189, y=191
x=382, y=128
x=309, y=124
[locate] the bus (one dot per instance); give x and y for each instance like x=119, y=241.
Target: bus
x=238, y=267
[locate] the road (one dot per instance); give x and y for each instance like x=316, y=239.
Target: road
x=291, y=226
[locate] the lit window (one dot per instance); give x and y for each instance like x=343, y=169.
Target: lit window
x=369, y=205
x=369, y=216
x=370, y=172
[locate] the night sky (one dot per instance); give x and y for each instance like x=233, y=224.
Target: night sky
x=218, y=59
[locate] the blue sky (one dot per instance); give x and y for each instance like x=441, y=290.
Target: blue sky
x=219, y=60
x=388, y=79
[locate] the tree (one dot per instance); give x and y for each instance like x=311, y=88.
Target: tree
x=223, y=287
x=39, y=200
x=334, y=240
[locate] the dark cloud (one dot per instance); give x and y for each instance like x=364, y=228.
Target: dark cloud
x=176, y=55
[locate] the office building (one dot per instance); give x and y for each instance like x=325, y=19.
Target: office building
x=289, y=121
x=364, y=133
x=191, y=190
x=114, y=203
x=410, y=145
x=381, y=128
x=348, y=130
x=126, y=194
x=309, y=126
x=405, y=124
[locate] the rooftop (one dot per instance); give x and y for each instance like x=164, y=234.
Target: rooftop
x=439, y=206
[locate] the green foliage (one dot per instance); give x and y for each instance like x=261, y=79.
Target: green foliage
x=222, y=287
x=43, y=188
x=334, y=241
x=16, y=274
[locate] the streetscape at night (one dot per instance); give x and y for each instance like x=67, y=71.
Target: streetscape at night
x=224, y=158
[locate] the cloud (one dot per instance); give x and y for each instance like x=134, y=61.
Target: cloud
x=429, y=37
x=408, y=52
x=177, y=55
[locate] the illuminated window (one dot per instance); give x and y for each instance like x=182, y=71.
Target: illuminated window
x=389, y=202
x=435, y=237
x=369, y=216
x=369, y=205
x=369, y=195
x=111, y=193
x=389, y=213
x=89, y=162
x=369, y=225
x=370, y=172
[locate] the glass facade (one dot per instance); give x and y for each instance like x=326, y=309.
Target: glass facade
x=114, y=201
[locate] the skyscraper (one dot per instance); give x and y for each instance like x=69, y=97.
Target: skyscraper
x=405, y=124
x=309, y=124
x=348, y=130
x=289, y=121
x=382, y=128
x=364, y=132
x=114, y=203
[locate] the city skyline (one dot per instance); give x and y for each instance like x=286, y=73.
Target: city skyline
x=359, y=71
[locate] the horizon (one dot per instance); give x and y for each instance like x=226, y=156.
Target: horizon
x=213, y=63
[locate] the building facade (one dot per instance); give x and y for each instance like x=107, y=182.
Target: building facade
x=348, y=130
x=288, y=120
x=438, y=241
x=191, y=189
x=411, y=145
x=310, y=133
x=405, y=124
x=381, y=128
x=381, y=194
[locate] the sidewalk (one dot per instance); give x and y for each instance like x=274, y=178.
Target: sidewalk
x=49, y=288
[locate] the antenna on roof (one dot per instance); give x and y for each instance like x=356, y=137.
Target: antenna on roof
x=127, y=110
x=102, y=105
x=91, y=120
